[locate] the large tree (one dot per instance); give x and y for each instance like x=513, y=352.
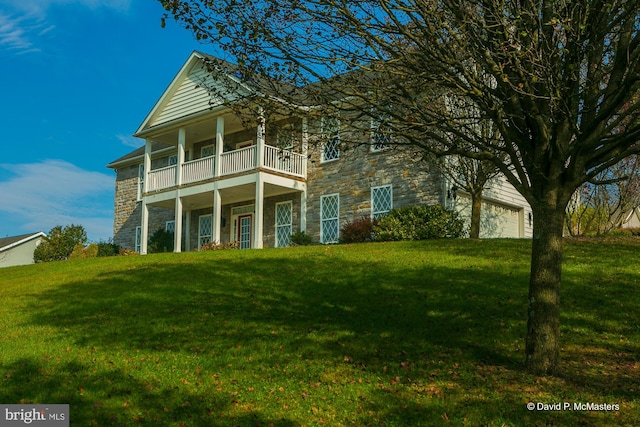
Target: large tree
x=557, y=78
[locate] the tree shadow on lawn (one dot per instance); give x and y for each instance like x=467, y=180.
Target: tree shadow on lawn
x=240, y=315
x=115, y=397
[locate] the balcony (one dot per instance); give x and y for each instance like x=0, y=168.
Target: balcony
x=232, y=162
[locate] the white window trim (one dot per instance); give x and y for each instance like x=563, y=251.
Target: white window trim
x=322, y=219
x=137, y=245
x=172, y=226
x=290, y=224
x=333, y=131
x=375, y=212
x=200, y=235
x=140, y=181
x=375, y=125
x=213, y=150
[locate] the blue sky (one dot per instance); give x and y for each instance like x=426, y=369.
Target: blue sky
x=77, y=79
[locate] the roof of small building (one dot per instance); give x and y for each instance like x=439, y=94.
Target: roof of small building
x=139, y=153
x=9, y=242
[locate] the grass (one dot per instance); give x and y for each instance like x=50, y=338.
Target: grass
x=397, y=334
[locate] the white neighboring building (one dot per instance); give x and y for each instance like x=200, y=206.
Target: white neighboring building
x=18, y=250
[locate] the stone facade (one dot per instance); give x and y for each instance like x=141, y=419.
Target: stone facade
x=354, y=174
x=351, y=176
x=128, y=209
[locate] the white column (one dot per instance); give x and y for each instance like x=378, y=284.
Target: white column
x=182, y=141
x=187, y=231
x=217, y=215
x=177, y=232
x=144, y=228
x=219, y=145
x=305, y=144
x=259, y=214
x=144, y=225
x=147, y=164
x=303, y=210
x=260, y=138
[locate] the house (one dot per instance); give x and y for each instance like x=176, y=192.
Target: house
x=206, y=176
x=18, y=250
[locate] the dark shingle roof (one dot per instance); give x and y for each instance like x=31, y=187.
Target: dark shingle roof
x=8, y=241
x=139, y=152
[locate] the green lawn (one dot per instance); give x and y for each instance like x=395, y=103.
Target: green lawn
x=402, y=334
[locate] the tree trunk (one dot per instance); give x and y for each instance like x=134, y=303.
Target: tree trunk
x=543, y=325
x=476, y=206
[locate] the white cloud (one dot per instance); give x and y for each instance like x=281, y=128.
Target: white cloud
x=40, y=7
x=42, y=195
x=15, y=34
x=130, y=141
x=23, y=22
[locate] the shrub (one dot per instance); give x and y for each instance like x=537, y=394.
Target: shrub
x=127, y=252
x=419, y=223
x=358, y=231
x=161, y=241
x=80, y=251
x=59, y=243
x=299, y=238
x=77, y=252
x=216, y=246
x=107, y=248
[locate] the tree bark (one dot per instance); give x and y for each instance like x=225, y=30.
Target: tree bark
x=543, y=324
x=476, y=206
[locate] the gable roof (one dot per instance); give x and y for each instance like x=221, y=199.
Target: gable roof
x=188, y=94
x=7, y=243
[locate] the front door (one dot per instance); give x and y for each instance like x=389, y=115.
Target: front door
x=244, y=231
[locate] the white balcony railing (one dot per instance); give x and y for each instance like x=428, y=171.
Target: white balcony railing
x=231, y=162
x=197, y=170
x=287, y=161
x=236, y=161
x=162, y=178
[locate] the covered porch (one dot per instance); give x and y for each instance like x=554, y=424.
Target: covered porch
x=237, y=209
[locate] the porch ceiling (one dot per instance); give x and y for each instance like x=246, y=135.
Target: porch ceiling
x=237, y=194
x=201, y=130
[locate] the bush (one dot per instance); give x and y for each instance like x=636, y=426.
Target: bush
x=299, y=238
x=161, y=241
x=107, y=248
x=358, y=231
x=59, y=243
x=80, y=251
x=127, y=252
x=216, y=246
x=419, y=223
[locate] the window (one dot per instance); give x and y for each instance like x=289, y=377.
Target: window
x=140, y=180
x=283, y=224
x=380, y=136
x=381, y=201
x=173, y=160
x=205, y=229
x=170, y=227
x=331, y=134
x=206, y=151
x=138, y=242
x=329, y=218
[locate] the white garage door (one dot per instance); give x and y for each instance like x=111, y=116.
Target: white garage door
x=496, y=220
x=500, y=221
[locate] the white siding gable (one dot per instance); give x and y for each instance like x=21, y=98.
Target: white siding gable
x=188, y=94
x=191, y=96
